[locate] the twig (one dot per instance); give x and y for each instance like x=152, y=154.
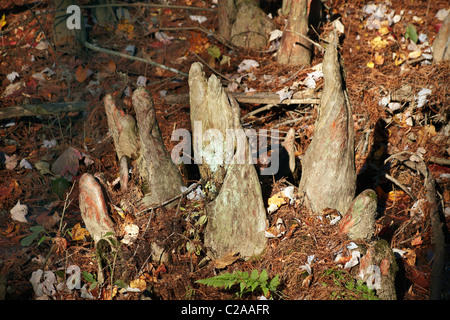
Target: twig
x=401, y=186
x=291, y=121
x=306, y=38
x=445, y=162
x=151, y=5
x=127, y=56
x=217, y=72
x=252, y=113
x=42, y=109
x=162, y=204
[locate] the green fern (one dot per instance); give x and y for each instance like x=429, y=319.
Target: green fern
x=247, y=283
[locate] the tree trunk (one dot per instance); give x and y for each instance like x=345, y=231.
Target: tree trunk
x=236, y=213
x=294, y=48
x=329, y=174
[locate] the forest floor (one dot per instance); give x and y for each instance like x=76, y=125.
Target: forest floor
x=377, y=62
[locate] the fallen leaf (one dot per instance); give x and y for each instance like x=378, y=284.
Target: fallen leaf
x=19, y=211
x=226, y=260
x=377, y=43
x=277, y=199
x=247, y=64
x=379, y=59
x=46, y=220
x=139, y=284
x=83, y=73
x=43, y=167
x=383, y=31
x=370, y=64
x=67, y=163
x=414, y=54
x=416, y=241
x=78, y=233
x=396, y=195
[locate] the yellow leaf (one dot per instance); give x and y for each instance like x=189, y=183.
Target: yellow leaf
x=383, y=31
x=370, y=64
x=395, y=195
x=2, y=22
x=399, y=59
x=138, y=283
x=414, y=54
x=378, y=43
x=78, y=233
x=277, y=200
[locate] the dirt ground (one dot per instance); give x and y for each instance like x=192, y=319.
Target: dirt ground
x=380, y=132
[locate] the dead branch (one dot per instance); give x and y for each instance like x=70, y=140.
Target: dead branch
x=44, y=109
x=127, y=56
x=269, y=98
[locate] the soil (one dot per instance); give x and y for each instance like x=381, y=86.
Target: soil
x=383, y=131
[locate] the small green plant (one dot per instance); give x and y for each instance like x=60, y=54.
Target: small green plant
x=92, y=279
x=349, y=288
x=247, y=283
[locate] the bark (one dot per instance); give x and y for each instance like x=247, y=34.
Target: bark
x=123, y=129
x=359, y=222
x=328, y=166
x=244, y=24
x=226, y=15
x=160, y=177
x=93, y=208
x=236, y=213
x=441, y=45
x=294, y=48
x=378, y=268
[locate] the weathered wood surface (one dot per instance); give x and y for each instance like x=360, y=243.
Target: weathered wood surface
x=328, y=166
x=378, y=268
x=294, y=48
x=93, y=208
x=359, y=221
x=123, y=130
x=236, y=213
x=160, y=176
x=251, y=26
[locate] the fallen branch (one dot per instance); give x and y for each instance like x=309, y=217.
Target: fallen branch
x=252, y=113
x=127, y=56
x=217, y=72
x=401, y=186
x=162, y=204
x=300, y=97
x=445, y=162
x=44, y=109
x=151, y=5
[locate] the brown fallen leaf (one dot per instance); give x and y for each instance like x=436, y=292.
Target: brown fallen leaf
x=83, y=73
x=226, y=260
